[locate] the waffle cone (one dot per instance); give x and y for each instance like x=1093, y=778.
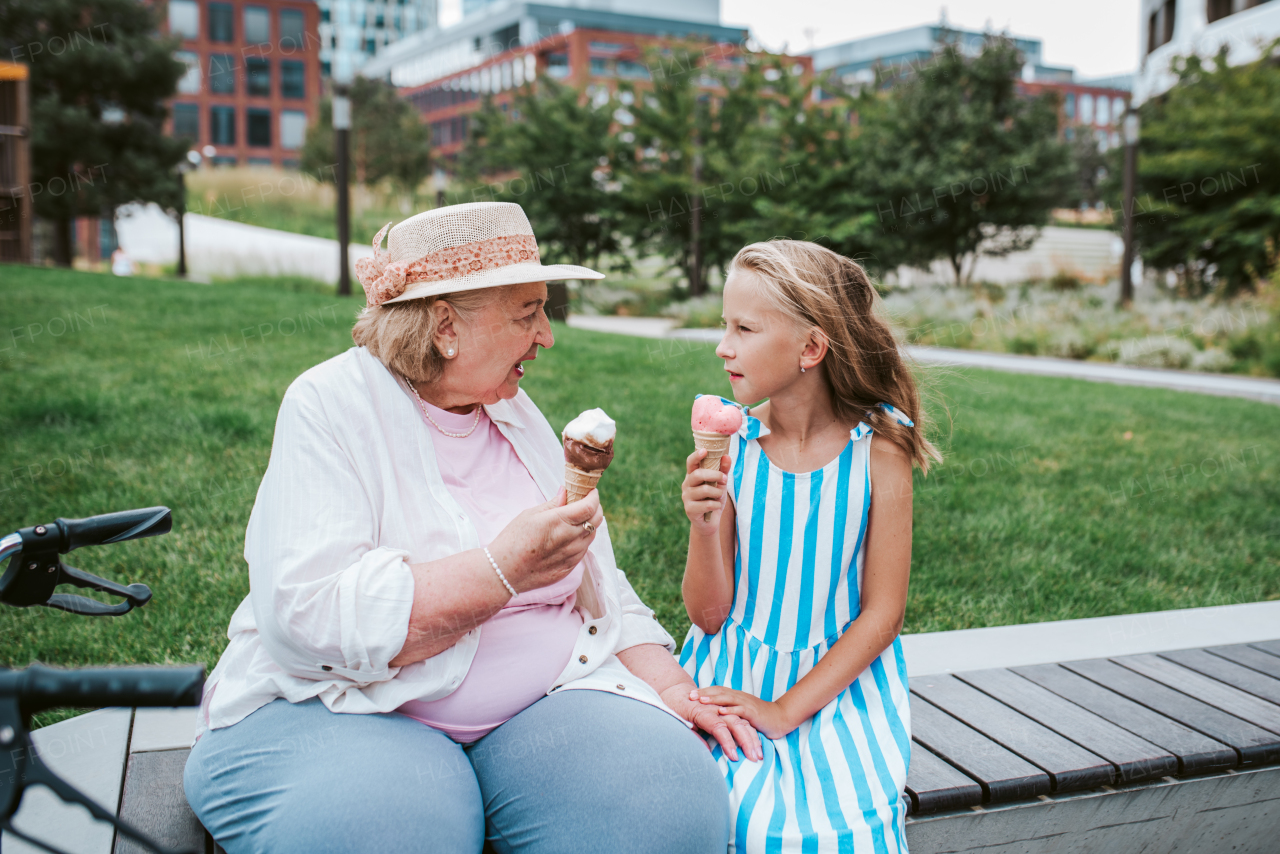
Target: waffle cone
x=577, y=482
x=716, y=444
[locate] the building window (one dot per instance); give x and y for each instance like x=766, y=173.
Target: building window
x=257, y=25
x=1086, y=108
x=326, y=70
x=1069, y=107
x=324, y=16
x=221, y=28
x=1215, y=10
x=292, y=79
x=293, y=129
x=258, y=76
x=186, y=121
x=222, y=125
x=224, y=162
x=222, y=73
x=558, y=65
x=1104, y=110
x=260, y=163
x=1117, y=109
x=1160, y=25
x=291, y=30
x=633, y=70
x=370, y=46
x=258, y=128
x=184, y=18
x=189, y=83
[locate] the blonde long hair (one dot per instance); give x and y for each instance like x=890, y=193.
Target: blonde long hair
x=819, y=288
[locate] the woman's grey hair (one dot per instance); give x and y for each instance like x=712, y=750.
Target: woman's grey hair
x=402, y=335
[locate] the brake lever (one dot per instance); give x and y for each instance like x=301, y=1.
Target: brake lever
x=31, y=579
x=135, y=594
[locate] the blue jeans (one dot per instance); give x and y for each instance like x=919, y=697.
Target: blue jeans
x=578, y=770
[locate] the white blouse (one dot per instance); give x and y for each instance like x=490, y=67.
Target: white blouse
x=352, y=495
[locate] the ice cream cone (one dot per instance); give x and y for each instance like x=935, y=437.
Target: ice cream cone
x=716, y=444
x=577, y=483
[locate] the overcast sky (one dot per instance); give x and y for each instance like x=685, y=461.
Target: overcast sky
x=1097, y=37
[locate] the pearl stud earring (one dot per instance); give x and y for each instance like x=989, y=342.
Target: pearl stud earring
x=802, y=369
x=449, y=352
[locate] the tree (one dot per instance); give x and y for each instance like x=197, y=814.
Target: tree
x=99, y=79
x=1208, y=204
x=388, y=140
x=1092, y=169
x=683, y=149
x=545, y=154
x=960, y=165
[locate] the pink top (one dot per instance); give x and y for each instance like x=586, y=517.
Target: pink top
x=525, y=646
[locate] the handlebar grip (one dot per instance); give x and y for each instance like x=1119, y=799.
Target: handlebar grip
x=38, y=687
x=115, y=527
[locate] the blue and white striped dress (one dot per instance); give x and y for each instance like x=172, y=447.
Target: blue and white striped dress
x=835, y=784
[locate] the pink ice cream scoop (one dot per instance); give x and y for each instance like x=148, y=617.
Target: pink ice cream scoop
x=712, y=415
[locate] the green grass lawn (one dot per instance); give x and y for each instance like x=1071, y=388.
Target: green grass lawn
x=120, y=393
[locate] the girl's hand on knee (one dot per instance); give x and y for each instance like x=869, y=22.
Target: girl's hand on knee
x=704, y=492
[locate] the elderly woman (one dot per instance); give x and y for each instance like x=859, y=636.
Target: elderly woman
x=436, y=650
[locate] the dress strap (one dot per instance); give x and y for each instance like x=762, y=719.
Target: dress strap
x=864, y=429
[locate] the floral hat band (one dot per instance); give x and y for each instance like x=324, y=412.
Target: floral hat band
x=457, y=248
x=383, y=280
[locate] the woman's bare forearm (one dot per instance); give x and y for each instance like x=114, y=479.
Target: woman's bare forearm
x=451, y=596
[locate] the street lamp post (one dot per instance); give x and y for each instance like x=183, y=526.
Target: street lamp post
x=1130, y=192
x=191, y=162
x=341, y=130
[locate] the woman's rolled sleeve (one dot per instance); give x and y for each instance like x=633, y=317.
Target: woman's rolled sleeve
x=328, y=604
x=639, y=625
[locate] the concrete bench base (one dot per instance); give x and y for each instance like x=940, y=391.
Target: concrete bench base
x=1237, y=812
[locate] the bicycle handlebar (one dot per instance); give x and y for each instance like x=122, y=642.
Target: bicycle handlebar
x=38, y=687
x=113, y=527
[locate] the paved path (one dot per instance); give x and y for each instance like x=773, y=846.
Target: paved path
x=1228, y=385
x=220, y=248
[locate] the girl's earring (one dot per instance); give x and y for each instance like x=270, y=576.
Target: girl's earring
x=449, y=352
x=802, y=369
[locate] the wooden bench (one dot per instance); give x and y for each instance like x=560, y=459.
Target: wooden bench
x=1126, y=753
x=1152, y=752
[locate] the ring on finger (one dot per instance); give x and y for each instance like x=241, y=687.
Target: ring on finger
x=588, y=527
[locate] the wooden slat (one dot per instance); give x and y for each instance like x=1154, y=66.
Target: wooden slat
x=1196, y=752
x=154, y=802
x=1253, y=745
x=1235, y=675
x=1003, y=775
x=1251, y=657
x=1069, y=766
x=1233, y=701
x=1133, y=757
x=933, y=785
x=1272, y=647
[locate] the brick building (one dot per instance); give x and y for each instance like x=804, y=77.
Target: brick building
x=447, y=73
x=253, y=78
x=1092, y=107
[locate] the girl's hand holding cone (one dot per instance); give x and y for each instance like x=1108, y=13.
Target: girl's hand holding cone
x=705, y=490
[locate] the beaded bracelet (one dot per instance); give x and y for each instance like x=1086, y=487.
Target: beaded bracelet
x=499, y=571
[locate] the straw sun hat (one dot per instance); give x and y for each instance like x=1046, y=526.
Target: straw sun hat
x=458, y=248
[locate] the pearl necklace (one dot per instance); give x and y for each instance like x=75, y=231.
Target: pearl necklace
x=450, y=434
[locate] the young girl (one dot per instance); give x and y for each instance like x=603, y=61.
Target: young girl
x=797, y=585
